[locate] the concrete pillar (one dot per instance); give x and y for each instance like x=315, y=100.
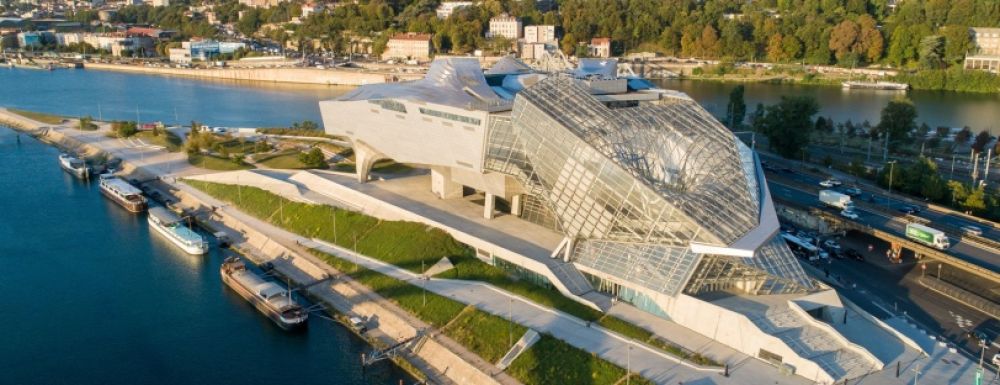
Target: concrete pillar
x=568, y=251
x=515, y=205
x=489, y=206
x=364, y=158
x=442, y=185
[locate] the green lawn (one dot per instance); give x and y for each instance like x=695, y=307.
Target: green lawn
x=485, y=334
x=551, y=361
x=237, y=146
x=412, y=246
x=434, y=309
x=288, y=159
x=624, y=328
x=168, y=140
x=39, y=116
x=213, y=162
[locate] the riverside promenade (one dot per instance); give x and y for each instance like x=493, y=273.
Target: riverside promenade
x=652, y=364
x=296, y=75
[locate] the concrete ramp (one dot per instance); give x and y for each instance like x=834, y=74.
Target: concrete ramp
x=529, y=338
x=441, y=266
x=257, y=179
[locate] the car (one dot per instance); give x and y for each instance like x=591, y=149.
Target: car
x=826, y=183
x=358, y=325
x=908, y=209
x=996, y=359
x=831, y=244
x=854, y=254
x=852, y=191
x=972, y=230
x=835, y=181
x=849, y=214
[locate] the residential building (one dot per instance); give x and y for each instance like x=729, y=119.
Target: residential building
x=533, y=51
x=158, y=3
x=409, y=45
x=118, y=44
x=505, y=26
x=153, y=33
x=600, y=47
x=260, y=3
x=540, y=34
x=656, y=203
x=445, y=9
x=311, y=8
x=986, y=54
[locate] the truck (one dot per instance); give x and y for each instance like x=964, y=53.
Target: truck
x=928, y=236
x=835, y=199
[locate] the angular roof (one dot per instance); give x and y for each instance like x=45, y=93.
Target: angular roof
x=456, y=82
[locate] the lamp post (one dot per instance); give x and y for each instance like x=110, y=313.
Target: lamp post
x=892, y=165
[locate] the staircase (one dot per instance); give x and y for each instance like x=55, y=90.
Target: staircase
x=813, y=343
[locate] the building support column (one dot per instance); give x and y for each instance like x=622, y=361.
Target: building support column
x=364, y=158
x=442, y=185
x=515, y=205
x=568, y=251
x=489, y=206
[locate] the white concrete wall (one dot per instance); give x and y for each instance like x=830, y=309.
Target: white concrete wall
x=410, y=137
x=737, y=331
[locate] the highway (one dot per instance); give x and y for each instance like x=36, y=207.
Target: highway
x=894, y=223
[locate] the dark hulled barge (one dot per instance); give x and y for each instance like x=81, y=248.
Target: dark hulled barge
x=123, y=193
x=268, y=297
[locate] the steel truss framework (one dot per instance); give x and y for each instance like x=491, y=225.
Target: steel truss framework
x=635, y=187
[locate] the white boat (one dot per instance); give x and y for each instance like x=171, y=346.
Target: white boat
x=879, y=85
x=73, y=165
x=172, y=227
x=268, y=297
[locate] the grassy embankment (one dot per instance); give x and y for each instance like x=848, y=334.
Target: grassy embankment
x=166, y=139
x=287, y=159
x=212, y=162
x=414, y=246
x=38, y=116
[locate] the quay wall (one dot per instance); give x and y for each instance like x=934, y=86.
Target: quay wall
x=345, y=77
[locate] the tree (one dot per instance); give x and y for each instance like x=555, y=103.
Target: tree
x=124, y=129
x=956, y=43
x=932, y=52
x=792, y=47
x=870, y=40
x=975, y=201
x=843, y=39
x=709, y=42
x=87, y=124
x=313, y=158
x=899, y=118
x=963, y=136
x=737, y=109
x=981, y=140
x=788, y=124
x=776, y=48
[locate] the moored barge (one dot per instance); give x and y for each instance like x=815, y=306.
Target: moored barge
x=172, y=227
x=122, y=193
x=268, y=297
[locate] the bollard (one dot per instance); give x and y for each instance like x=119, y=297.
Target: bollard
x=726, y=372
x=897, y=369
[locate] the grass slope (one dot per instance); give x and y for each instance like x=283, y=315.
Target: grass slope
x=38, y=116
x=168, y=140
x=212, y=162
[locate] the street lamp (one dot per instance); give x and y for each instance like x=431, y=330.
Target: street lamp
x=892, y=165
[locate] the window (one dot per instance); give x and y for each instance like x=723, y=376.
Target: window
x=449, y=116
x=389, y=105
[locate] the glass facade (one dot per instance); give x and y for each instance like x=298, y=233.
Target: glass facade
x=389, y=105
x=635, y=187
x=449, y=116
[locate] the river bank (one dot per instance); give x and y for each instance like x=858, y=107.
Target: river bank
x=329, y=77
x=436, y=358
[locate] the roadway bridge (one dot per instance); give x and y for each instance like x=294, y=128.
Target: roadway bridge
x=978, y=255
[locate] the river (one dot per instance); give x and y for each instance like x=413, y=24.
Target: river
x=90, y=296
x=936, y=108
x=114, y=95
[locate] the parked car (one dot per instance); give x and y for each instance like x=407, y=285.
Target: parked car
x=852, y=191
x=972, y=230
x=854, y=254
x=831, y=244
x=358, y=325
